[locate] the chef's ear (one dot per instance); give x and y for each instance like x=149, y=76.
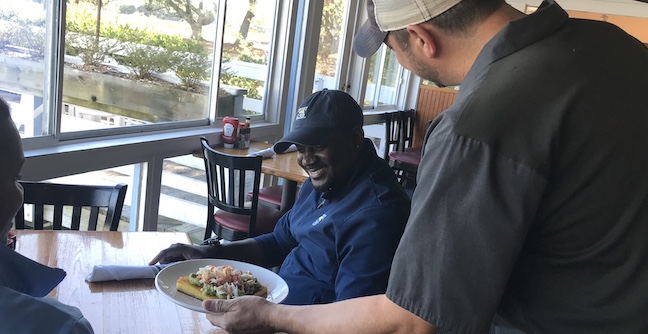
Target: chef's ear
x=423, y=39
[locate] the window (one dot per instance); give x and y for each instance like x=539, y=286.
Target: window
x=331, y=38
x=132, y=63
x=249, y=27
x=384, y=79
x=128, y=65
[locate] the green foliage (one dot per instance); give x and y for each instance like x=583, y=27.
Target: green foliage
x=143, y=60
x=144, y=51
x=195, y=16
x=192, y=69
x=80, y=21
x=127, y=9
x=329, y=35
x=251, y=85
x=245, y=52
x=91, y=50
x=31, y=38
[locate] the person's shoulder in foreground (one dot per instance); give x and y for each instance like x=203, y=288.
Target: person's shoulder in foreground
x=24, y=282
x=343, y=231
x=22, y=313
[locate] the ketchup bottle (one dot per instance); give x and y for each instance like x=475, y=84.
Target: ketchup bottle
x=230, y=125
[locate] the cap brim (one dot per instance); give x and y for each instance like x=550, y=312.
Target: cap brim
x=304, y=136
x=368, y=40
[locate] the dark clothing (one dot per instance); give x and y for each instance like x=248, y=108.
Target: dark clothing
x=340, y=244
x=23, y=307
x=532, y=196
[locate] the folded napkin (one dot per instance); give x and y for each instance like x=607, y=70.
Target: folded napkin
x=269, y=152
x=101, y=273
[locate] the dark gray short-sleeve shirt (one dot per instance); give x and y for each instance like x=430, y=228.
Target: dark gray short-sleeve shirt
x=532, y=198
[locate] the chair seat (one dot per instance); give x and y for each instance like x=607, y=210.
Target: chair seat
x=266, y=219
x=412, y=157
x=270, y=195
x=418, y=150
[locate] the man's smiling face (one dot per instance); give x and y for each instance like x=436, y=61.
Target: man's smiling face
x=327, y=164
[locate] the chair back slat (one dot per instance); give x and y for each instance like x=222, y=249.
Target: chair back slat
x=57, y=223
x=94, y=217
x=38, y=216
x=19, y=220
x=76, y=219
x=407, y=119
x=44, y=195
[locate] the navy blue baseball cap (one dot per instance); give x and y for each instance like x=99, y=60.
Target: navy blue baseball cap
x=320, y=116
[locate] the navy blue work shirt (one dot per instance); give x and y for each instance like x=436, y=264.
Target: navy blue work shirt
x=340, y=244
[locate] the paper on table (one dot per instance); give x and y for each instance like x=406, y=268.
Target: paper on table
x=101, y=273
x=269, y=152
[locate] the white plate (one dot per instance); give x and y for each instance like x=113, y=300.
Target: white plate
x=165, y=281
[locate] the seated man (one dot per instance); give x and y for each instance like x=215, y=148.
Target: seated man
x=338, y=240
x=23, y=281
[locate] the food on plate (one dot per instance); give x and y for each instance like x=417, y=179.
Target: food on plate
x=220, y=282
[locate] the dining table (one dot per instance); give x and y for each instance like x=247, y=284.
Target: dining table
x=129, y=306
x=282, y=165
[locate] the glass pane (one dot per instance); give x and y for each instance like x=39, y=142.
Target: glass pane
x=22, y=67
x=390, y=78
x=183, y=197
x=326, y=68
x=136, y=63
x=383, y=68
x=249, y=27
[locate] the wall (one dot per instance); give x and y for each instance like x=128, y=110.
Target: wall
x=431, y=102
x=629, y=16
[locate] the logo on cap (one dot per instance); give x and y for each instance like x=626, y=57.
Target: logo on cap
x=301, y=113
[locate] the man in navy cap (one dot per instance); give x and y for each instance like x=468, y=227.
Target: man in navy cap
x=338, y=240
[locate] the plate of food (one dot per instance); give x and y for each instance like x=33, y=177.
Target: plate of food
x=188, y=283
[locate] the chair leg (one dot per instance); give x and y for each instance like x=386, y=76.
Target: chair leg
x=209, y=229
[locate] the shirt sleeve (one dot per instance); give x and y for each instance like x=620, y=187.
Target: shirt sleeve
x=471, y=212
x=365, y=245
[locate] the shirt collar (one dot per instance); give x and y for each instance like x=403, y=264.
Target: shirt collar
x=24, y=275
x=515, y=36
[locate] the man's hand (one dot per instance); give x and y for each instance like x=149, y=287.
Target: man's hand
x=245, y=314
x=179, y=252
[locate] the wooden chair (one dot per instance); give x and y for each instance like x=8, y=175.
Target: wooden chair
x=235, y=218
x=60, y=196
x=392, y=141
x=402, y=157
